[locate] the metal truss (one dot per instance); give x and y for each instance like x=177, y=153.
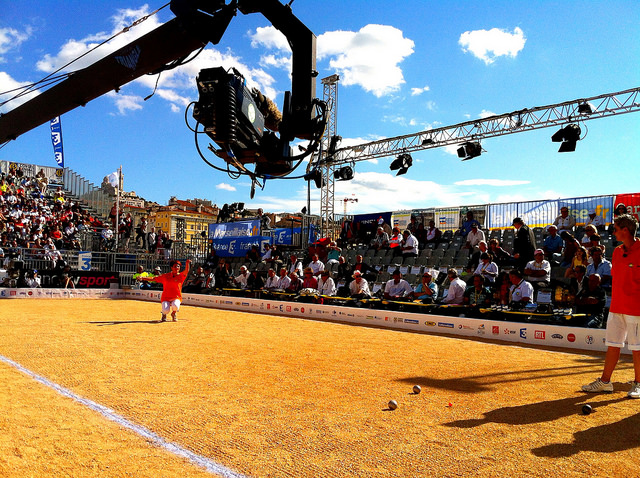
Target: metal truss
x=575, y=111
x=327, y=207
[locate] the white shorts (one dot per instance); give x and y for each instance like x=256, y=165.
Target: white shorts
x=621, y=327
x=174, y=305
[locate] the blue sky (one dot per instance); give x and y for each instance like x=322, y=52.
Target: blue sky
x=404, y=67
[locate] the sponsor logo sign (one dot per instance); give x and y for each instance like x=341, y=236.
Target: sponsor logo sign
x=523, y=333
x=571, y=337
x=540, y=334
x=446, y=325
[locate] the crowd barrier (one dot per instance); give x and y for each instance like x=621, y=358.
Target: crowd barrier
x=555, y=336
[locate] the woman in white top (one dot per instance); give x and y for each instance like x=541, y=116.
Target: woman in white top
x=486, y=268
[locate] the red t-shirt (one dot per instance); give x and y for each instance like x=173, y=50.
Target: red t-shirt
x=171, y=285
x=625, y=276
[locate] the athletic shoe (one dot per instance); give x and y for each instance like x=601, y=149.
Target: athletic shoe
x=164, y=318
x=173, y=316
x=599, y=386
x=635, y=390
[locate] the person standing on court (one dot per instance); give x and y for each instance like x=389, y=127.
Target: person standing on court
x=171, y=288
x=623, y=323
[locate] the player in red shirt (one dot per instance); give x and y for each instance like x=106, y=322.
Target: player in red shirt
x=171, y=288
x=623, y=323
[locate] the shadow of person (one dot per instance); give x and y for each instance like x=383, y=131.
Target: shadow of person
x=461, y=384
x=532, y=412
x=609, y=438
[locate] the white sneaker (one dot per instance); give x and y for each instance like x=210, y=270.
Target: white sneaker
x=599, y=386
x=635, y=390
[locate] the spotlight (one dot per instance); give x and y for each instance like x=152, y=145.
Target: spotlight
x=427, y=141
x=469, y=150
x=344, y=174
x=316, y=176
x=585, y=108
x=402, y=163
x=568, y=135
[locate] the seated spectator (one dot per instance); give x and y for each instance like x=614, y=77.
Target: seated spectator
x=272, y=281
x=108, y=240
x=359, y=287
x=595, y=220
x=520, y=292
x=503, y=289
x=283, y=280
x=266, y=256
x=255, y=281
x=333, y=253
x=32, y=279
x=253, y=255
x=591, y=300
x=395, y=241
x=589, y=231
x=295, y=284
x=538, y=271
x=578, y=280
x=294, y=265
x=195, y=283
x=552, y=244
x=140, y=272
x=571, y=245
x=474, y=237
x=487, y=269
x=209, y=280
x=564, y=222
x=241, y=279
x=326, y=285
x=501, y=257
x=427, y=290
x=397, y=288
x=594, y=241
x=409, y=244
x=579, y=259
x=474, y=260
x=309, y=281
x=368, y=272
x=477, y=294
x=344, y=271
x=211, y=260
x=433, y=234
x=600, y=266
x=455, y=293
x=380, y=240
x=316, y=265
x=222, y=275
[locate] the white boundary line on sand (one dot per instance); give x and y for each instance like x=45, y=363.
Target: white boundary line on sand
x=199, y=460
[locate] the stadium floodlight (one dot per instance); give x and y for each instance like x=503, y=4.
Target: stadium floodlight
x=569, y=136
x=344, y=174
x=469, y=150
x=402, y=164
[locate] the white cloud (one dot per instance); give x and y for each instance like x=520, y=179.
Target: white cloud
x=488, y=45
x=225, y=187
x=491, y=182
x=368, y=58
x=486, y=114
x=9, y=84
x=10, y=38
x=419, y=91
x=126, y=103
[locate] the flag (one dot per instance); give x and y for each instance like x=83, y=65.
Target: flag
x=56, y=139
x=113, y=179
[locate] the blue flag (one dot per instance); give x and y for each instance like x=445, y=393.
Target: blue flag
x=56, y=139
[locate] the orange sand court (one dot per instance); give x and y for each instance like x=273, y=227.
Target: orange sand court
x=268, y=396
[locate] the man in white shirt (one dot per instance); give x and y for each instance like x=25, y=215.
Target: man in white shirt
x=326, y=285
x=397, y=287
x=564, y=222
x=409, y=244
x=359, y=287
x=474, y=237
x=272, y=280
x=242, y=278
x=283, y=281
x=316, y=265
x=595, y=220
x=521, y=292
x=538, y=271
x=455, y=294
